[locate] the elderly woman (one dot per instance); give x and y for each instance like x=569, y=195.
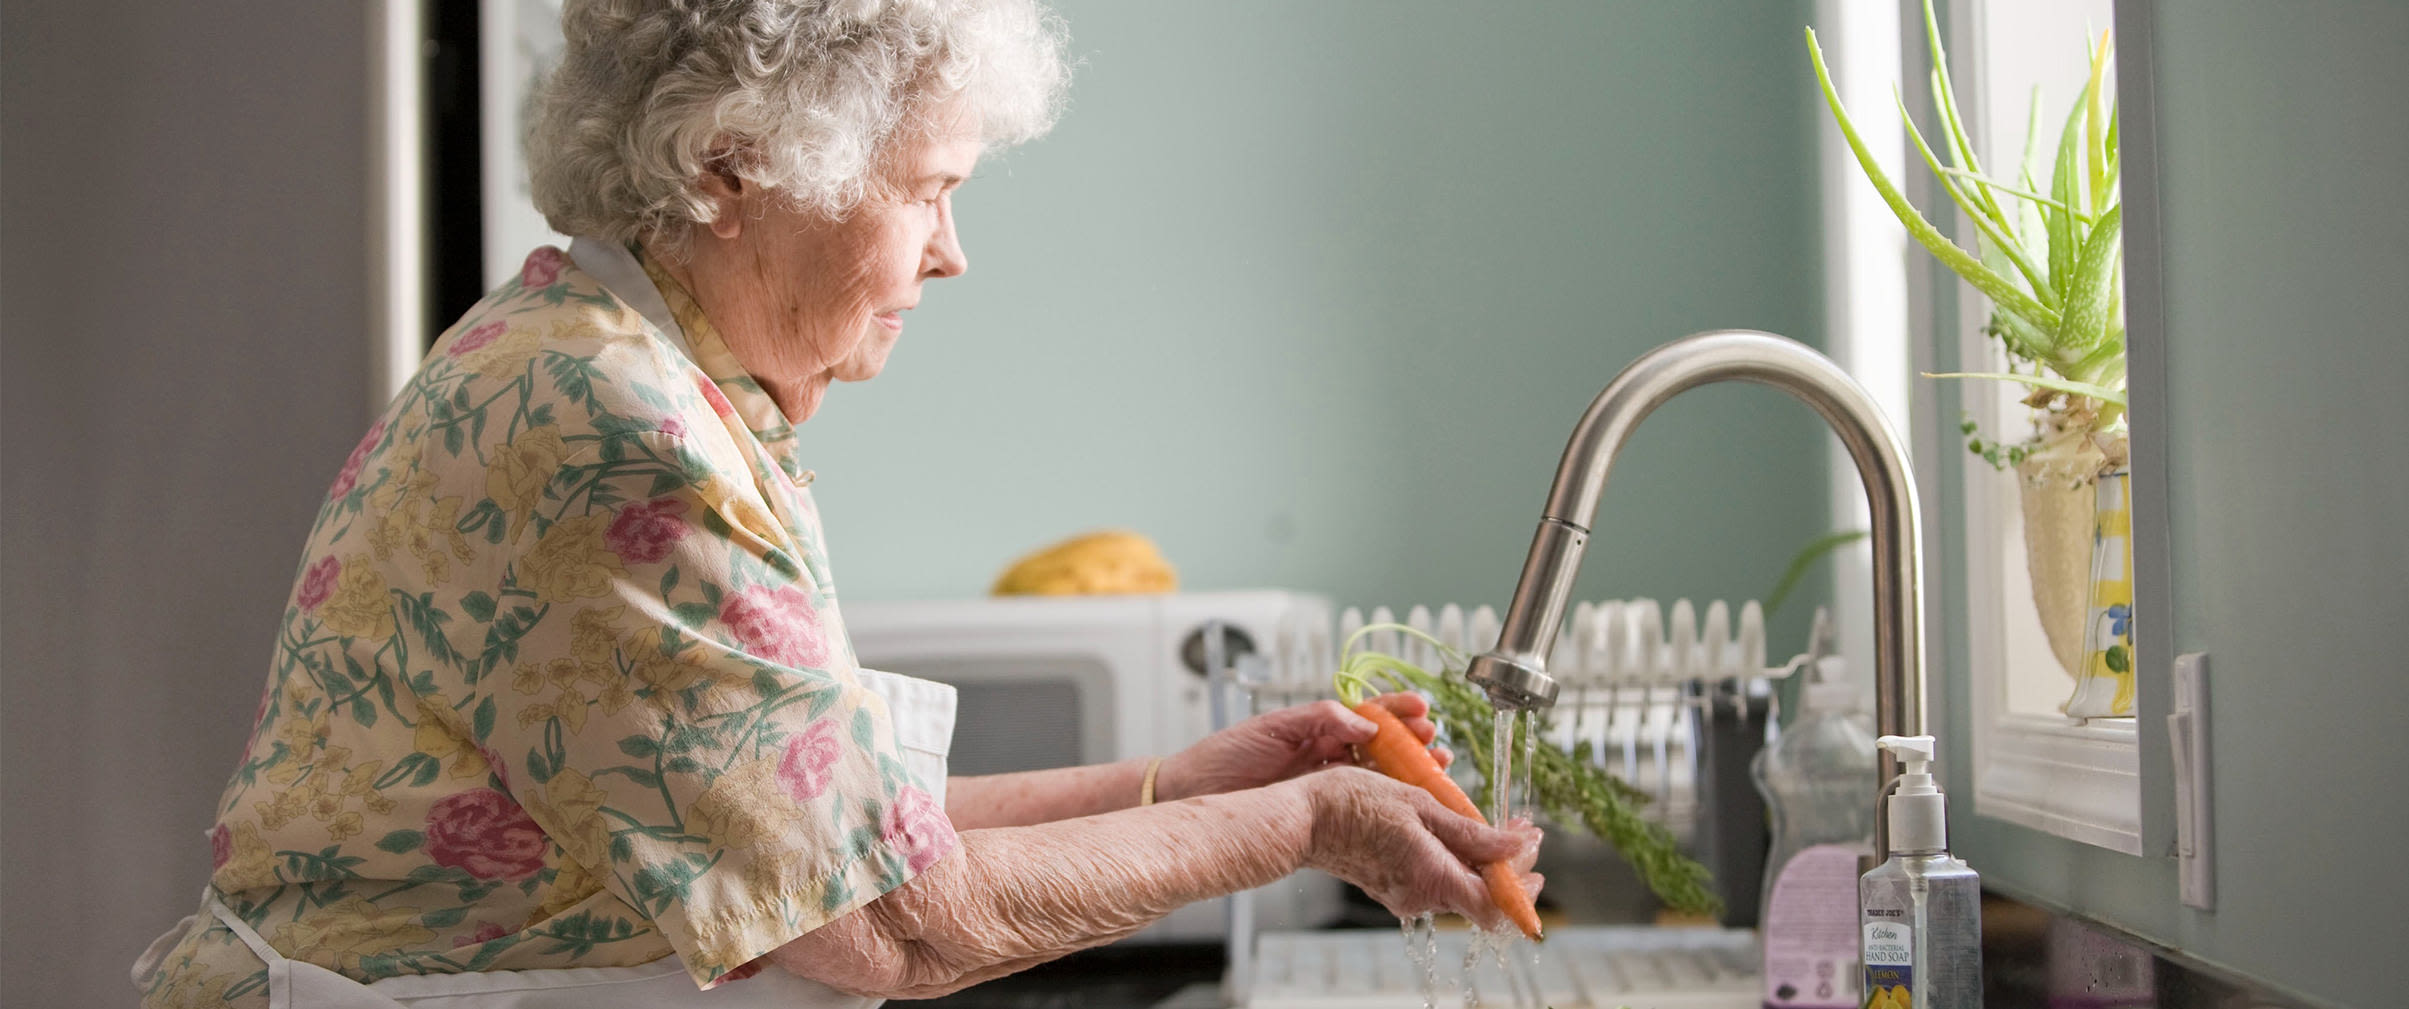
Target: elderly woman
x=562, y=710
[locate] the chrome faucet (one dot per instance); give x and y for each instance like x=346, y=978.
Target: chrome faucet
x=1515, y=673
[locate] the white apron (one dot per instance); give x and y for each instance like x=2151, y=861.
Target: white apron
x=924, y=723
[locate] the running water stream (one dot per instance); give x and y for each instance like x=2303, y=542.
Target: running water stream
x=1501, y=768
x=1508, y=794
x=1524, y=798
x=1510, y=791
x=1422, y=947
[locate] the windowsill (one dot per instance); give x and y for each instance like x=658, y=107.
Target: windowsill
x=2080, y=781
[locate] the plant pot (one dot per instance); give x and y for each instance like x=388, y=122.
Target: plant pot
x=2104, y=688
x=2058, y=524
x=2078, y=549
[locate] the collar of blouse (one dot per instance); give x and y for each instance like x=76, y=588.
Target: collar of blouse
x=744, y=396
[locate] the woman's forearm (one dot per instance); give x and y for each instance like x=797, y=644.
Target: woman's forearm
x=1031, y=797
x=1012, y=897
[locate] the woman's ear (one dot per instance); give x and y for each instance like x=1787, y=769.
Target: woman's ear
x=726, y=190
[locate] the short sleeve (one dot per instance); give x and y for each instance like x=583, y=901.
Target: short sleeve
x=678, y=712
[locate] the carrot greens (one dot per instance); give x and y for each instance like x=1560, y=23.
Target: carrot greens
x=1568, y=786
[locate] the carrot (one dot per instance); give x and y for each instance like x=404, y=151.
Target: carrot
x=1395, y=752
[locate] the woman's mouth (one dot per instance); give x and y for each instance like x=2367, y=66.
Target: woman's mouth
x=891, y=320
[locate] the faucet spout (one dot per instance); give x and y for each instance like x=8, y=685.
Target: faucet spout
x=1515, y=673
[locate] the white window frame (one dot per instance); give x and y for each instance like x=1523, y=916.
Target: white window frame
x=396, y=205
x=517, y=39
x=1866, y=288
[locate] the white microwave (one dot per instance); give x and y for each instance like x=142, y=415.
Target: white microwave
x=1059, y=681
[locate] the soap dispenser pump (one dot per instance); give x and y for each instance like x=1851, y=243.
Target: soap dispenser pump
x=1921, y=911
x=1919, y=813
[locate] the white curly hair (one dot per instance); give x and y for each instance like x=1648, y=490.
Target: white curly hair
x=802, y=97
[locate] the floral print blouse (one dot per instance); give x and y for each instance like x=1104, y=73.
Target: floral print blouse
x=562, y=681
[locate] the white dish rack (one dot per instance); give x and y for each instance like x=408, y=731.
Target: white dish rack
x=1631, y=676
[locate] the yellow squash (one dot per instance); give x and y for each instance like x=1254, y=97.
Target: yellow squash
x=1112, y=562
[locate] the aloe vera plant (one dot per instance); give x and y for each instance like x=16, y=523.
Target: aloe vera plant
x=2049, y=261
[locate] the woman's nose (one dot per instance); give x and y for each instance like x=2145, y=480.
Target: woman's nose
x=943, y=257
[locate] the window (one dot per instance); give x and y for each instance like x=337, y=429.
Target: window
x=2032, y=765
x=2078, y=779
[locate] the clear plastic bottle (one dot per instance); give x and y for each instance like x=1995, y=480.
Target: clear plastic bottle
x=1818, y=782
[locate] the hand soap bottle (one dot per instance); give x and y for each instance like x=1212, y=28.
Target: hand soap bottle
x=1921, y=911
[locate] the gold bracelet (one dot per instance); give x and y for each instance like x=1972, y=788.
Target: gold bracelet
x=1146, y=788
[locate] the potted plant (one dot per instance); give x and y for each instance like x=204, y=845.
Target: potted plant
x=2048, y=258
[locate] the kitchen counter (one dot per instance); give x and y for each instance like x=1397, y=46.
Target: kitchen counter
x=2030, y=958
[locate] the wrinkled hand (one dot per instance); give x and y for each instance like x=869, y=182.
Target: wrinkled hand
x=1407, y=851
x=1279, y=745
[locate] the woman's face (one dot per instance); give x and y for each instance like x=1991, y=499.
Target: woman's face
x=803, y=300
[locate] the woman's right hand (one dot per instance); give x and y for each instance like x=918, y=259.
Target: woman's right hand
x=1407, y=851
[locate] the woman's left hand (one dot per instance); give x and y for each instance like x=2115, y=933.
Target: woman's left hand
x=1278, y=745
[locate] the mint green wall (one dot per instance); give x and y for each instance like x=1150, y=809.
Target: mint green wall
x=1313, y=292
x=2282, y=448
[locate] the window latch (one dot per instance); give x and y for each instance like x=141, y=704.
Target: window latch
x=2187, y=736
